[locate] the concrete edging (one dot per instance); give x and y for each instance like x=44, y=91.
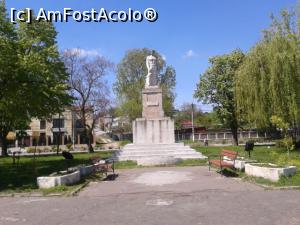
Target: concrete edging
x=271, y=173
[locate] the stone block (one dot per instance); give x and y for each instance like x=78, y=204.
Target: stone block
x=271, y=173
x=86, y=170
x=239, y=163
x=152, y=103
x=46, y=182
x=155, y=131
x=52, y=181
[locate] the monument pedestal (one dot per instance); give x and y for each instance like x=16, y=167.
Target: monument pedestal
x=153, y=131
x=152, y=103
x=153, y=128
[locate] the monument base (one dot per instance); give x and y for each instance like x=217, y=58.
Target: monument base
x=153, y=131
x=154, y=144
x=157, y=154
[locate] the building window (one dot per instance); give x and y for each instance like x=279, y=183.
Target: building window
x=43, y=124
x=58, y=123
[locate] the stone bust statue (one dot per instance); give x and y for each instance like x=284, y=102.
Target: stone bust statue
x=151, y=79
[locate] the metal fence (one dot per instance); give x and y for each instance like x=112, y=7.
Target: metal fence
x=222, y=135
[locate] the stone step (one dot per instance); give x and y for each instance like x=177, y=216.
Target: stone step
x=149, y=149
x=157, y=152
x=185, y=151
x=155, y=146
x=180, y=156
x=142, y=146
x=160, y=154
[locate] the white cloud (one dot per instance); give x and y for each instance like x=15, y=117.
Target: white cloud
x=86, y=53
x=189, y=54
x=164, y=57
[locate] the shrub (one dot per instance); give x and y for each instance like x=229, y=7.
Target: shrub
x=241, y=141
x=98, y=146
x=30, y=150
x=69, y=146
x=47, y=149
x=287, y=143
x=279, y=143
x=54, y=149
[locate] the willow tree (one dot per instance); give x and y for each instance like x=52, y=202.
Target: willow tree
x=268, y=82
x=217, y=87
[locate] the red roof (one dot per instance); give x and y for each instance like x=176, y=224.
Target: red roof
x=186, y=123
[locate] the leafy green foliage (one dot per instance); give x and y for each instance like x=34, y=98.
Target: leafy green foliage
x=185, y=114
x=217, y=87
x=131, y=76
x=279, y=123
x=268, y=82
x=32, y=77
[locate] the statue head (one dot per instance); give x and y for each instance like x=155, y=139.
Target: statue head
x=151, y=64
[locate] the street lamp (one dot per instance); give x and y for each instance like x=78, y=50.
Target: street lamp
x=193, y=129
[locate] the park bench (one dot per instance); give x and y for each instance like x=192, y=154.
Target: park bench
x=224, y=163
x=104, y=167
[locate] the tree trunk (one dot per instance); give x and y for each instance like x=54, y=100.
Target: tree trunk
x=234, y=132
x=59, y=135
x=90, y=146
x=4, y=143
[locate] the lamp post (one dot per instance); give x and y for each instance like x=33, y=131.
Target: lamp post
x=193, y=129
x=73, y=129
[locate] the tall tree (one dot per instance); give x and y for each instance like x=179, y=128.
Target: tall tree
x=131, y=76
x=217, y=87
x=8, y=72
x=268, y=82
x=32, y=76
x=88, y=88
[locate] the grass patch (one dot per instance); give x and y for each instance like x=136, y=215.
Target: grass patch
x=67, y=190
x=262, y=154
x=125, y=165
x=22, y=177
x=283, y=181
x=57, y=189
x=192, y=162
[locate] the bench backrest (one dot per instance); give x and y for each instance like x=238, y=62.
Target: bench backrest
x=230, y=154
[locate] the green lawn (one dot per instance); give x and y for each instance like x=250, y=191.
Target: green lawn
x=264, y=155
x=23, y=177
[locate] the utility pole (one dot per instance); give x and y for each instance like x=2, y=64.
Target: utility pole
x=193, y=130
x=73, y=128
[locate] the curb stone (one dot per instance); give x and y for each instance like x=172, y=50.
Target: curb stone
x=269, y=187
x=77, y=190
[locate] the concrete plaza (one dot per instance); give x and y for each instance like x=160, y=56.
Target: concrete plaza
x=167, y=195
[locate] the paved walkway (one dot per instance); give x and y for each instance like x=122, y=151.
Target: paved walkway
x=168, y=196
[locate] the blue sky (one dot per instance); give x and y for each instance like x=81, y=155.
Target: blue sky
x=187, y=32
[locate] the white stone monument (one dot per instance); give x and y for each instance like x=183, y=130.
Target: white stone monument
x=153, y=134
